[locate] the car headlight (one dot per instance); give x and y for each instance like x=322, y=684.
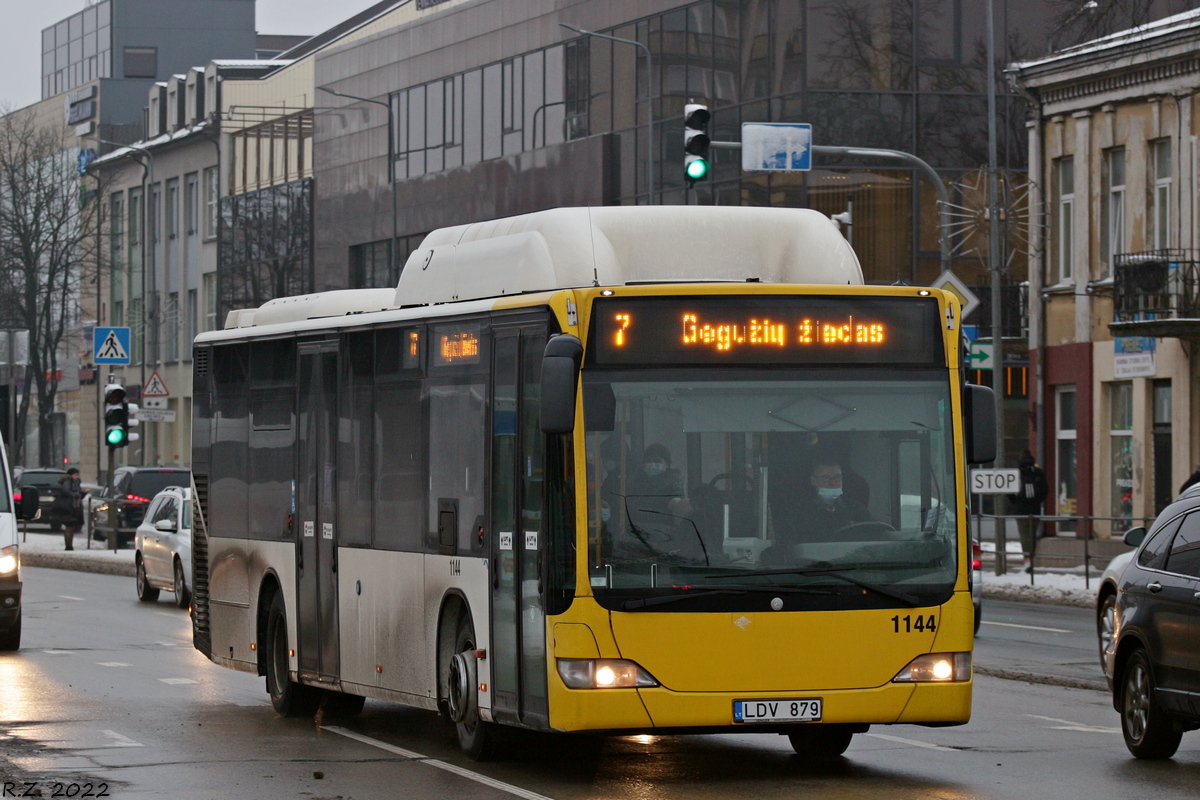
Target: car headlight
x=8, y=560
x=936, y=668
x=603, y=673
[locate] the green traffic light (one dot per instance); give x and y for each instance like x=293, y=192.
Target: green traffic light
x=115, y=437
x=696, y=169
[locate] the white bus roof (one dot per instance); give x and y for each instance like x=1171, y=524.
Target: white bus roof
x=567, y=248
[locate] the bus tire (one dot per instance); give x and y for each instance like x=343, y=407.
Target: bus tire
x=11, y=638
x=288, y=698
x=477, y=739
x=145, y=592
x=821, y=741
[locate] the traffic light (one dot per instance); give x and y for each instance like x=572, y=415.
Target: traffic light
x=132, y=421
x=116, y=416
x=695, y=142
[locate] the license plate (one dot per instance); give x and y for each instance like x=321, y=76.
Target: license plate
x=805, y=710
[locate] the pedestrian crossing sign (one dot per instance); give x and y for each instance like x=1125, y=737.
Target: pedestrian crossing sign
x=155, y=387
x=110, y=346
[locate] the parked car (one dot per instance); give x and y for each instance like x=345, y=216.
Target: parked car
x=46, y=483
x=163, y=547
x=133, y=488
x=977, y=581
x=1153, y=660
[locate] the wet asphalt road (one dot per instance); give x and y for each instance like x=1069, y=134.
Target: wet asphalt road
x=107, y=690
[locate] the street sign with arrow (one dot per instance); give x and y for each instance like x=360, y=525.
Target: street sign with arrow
x=981, y=356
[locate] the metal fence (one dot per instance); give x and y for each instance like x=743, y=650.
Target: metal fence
x=1084, y=535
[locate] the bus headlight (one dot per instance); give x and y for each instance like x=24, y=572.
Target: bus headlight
x=936, y=668
x=603, y=673
x=8, y=560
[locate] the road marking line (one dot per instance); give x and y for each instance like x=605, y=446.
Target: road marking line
x=69, y=597
x=121, y=740
x=912, y=742
x=1026, y=627
x=442, y=765
x=167, y=614
x=58, y=652
x=113, y=664
x=177, y=681
x=1070, y=725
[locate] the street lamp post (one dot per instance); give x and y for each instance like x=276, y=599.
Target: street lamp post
x=994, y=235
x=391, y=166
x=649, y=95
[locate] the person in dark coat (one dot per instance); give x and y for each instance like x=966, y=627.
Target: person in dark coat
x=1031, y=493
x=820, y=517
x=68, y=506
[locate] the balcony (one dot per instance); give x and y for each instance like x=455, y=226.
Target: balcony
x=1157, y=293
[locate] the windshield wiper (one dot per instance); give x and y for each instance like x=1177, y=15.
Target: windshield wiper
x=836, y=572
x=630, y=605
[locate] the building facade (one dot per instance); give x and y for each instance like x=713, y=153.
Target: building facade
x=1114, y=268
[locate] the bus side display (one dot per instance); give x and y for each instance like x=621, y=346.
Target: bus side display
x=766, y=330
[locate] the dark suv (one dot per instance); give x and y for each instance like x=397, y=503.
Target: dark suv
x=1154, y=656
x=46, y=482
x=134, y=487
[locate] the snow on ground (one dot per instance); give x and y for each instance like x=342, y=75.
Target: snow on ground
x=45, y=549
x=1060, y=587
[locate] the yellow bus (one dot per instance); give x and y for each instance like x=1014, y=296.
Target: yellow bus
x=598, y=470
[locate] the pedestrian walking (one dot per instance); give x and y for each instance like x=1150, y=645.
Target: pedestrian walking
x=1031, y=494
x=67, y=509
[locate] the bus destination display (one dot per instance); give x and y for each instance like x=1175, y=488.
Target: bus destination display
x=765, y=330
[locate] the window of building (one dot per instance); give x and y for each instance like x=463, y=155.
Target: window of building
x=1163, y=446
x=210, y=301
x=191, y=204
x=1112, y=235
x=153, y=215
x=189, y=324
x=1064, y=482
x=1161, y=200
x=116, y=228
x=1120, y=398
x=1064, y=173
x=212, y=196
x=171, y=323
x=370, y=266
x=171, y=222
x=135, y=217
x=141, y=62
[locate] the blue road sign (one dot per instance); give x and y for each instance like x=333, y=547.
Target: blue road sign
x=971, y=332
x=777, y=146
x=110, y=346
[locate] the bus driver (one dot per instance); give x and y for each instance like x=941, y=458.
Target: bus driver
x=819, y=517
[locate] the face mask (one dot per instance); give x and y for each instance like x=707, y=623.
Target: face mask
x=829, y=494
x=605, y=514
x=655, y=468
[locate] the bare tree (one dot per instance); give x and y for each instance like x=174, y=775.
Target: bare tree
x=46, y=214
x=1078, y=21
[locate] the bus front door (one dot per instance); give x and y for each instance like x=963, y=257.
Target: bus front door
x=517, y=532
x=316, y=513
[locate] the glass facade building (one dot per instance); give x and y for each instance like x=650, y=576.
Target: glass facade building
x=77, y=50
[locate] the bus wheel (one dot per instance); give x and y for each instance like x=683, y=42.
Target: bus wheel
x=477, y=739
x=821, y=741
x=289, y=698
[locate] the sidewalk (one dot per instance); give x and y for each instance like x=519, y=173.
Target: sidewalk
x=45, y=549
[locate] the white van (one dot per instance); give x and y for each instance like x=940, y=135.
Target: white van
x=10, y=560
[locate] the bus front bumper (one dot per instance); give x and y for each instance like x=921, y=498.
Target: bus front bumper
x=660, y=710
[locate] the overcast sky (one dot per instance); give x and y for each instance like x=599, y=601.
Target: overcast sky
x=23, y=21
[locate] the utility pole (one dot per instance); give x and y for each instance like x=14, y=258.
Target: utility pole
x=994, y=235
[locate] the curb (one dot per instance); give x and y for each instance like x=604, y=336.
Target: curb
x=78, y=564
x=1038, y=594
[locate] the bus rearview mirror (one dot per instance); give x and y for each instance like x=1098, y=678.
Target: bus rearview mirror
x=560, y=377
x=979, y=414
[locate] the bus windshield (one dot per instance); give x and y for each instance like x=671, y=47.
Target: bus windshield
x=706, y=485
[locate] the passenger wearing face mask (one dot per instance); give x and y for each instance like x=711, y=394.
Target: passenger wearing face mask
x=658, y=484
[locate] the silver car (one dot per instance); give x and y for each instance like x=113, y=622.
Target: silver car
x=163, y=543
